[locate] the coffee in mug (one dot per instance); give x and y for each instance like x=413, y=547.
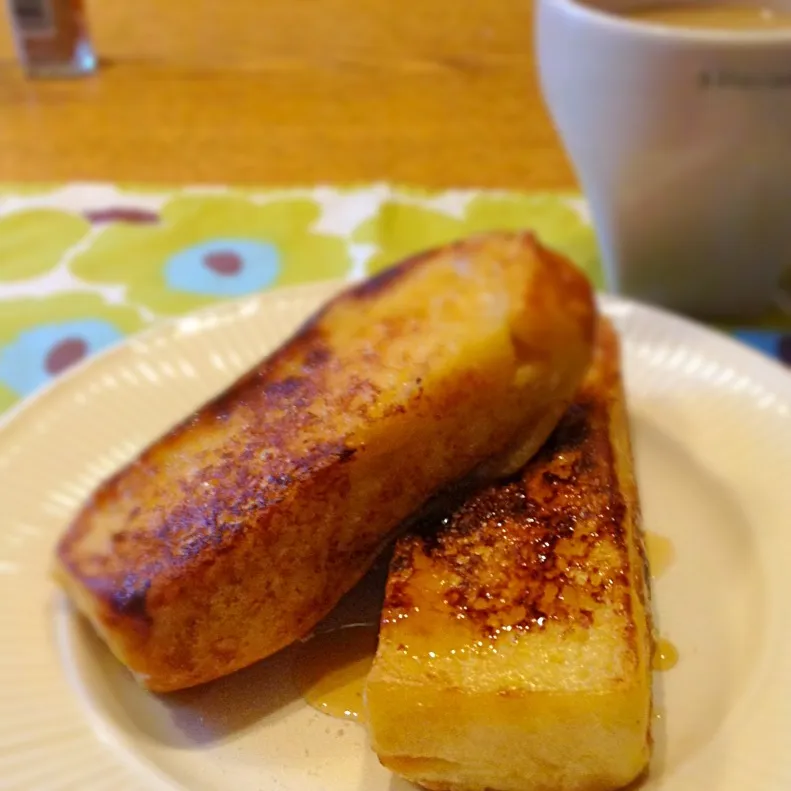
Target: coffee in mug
x=711, y=17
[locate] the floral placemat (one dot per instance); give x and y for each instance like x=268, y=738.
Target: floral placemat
x=84, y=265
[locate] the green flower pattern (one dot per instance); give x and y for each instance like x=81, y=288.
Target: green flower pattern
x=33, y=242
x=206, y=248
x=402, y=228
x=82, y=267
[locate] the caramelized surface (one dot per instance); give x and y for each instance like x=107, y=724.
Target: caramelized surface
x=515, y=632
x=236, y=532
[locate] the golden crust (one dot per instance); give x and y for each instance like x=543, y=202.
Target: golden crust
x=236, y=532
x=516, y=629
x=538, y=548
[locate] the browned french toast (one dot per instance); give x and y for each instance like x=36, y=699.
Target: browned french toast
x=235, y=533
x=515, y=643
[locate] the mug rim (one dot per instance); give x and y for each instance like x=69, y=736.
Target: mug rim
x=618, y=23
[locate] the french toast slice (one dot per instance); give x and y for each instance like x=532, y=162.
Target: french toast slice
x=235, y=533
x=515, y=641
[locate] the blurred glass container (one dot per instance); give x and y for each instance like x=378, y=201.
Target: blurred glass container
x=51, y=37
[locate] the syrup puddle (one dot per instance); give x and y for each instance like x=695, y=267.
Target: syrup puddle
x=331, y=668
x=660, y=553
x=665, y=655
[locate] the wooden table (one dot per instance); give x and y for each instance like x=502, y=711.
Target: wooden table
x=290, y=91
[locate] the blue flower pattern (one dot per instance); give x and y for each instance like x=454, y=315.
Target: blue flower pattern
x=223, y=268
x=36, y=355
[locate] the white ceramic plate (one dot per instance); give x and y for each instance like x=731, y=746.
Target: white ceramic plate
x=713, y=444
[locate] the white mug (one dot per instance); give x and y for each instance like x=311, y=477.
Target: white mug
x=681, y=140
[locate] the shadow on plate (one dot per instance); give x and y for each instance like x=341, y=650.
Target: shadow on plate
x=214, y=712
x=188, y=719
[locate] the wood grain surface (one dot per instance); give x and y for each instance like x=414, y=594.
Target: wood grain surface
x=439, y=93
